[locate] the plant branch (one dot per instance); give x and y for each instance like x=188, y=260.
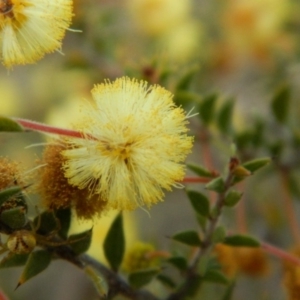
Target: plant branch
x=191, y=273
x=41, y=127
x=117, y=285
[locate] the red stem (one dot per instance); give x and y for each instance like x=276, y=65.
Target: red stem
x=195, y=180
x=280, y=253
x=289, y=207
x=36, y=126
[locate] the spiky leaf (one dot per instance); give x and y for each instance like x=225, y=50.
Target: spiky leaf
x=10, y=192
x=217, y=185
x=81, y=242
x=200, y=171
x=280, y=104
x=256, y=164
x=229, y=291
x=232, y=198
x=14, y=218
x=189, y=237
x=13, y=260
x=207, y=107
x=114, y=243
x=140, y=278
x=215, y=276
x=9, y=125
x=179, y=262
x=64, y=218
x=37, y=262
x=218, y=234
x=46, y=222
x=166, y=280
x=199, y=202
x=225, y=116
x=185, y=81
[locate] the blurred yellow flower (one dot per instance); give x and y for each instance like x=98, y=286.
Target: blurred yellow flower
x=135, y=143
x=138, y=258
x=254, y=26
x=31, y=28
x=155, y=17
x=182, y=42
x=291, y=277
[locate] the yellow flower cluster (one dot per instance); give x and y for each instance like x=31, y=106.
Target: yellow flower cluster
x=133, y=147
x=31, y=28
x=291, y=278
x=138, y=258
x=250, y=261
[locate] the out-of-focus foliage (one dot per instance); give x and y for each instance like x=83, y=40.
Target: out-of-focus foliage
x=233, y=63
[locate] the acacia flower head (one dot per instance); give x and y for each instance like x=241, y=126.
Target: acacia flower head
x=135, y=142
x=55, y=190
x=31, y=28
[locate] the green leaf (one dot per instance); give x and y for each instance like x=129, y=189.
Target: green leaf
x=81, y=242
x=140, y=278
x=258, y=132
x=14, y=218
x=229, y=291
x=194, y=285
x=215, y=276
x=13, y=260
x=185, y=98
x=37, y=262
x=199, y=202
x=186, y=79
x=9, y=125
x=280, y=104
x=218, y=235
x=114, y=244
x=201, y=221
x=232, y=198
x=203, y=264
x=225, y=116
x=10, y=192
x=189, y=237
x=207, y=108
x=179, y=262
x=200, y=171
x=166, y=280
x=64, y=218
x=46, y=222
x=256, y=164
x=241, y=241
x=216, y=185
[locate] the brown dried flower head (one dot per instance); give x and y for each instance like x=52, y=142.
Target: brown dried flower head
x=57, y=193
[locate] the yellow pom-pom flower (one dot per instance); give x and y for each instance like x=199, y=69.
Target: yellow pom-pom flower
x=135, y=140
x=138, y=258
x=31, y=28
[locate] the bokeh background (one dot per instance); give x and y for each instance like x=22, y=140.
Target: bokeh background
x=237, y=48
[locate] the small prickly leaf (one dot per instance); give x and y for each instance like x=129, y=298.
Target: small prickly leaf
x=37, y=262
x=13, y=260
x=216, y=185
x=140, y=278
x=14, y=218
x=114, y=243
x=189, y=237
x=81, y=242
x=199, y=202
x=9, y=125
x=232, y=198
